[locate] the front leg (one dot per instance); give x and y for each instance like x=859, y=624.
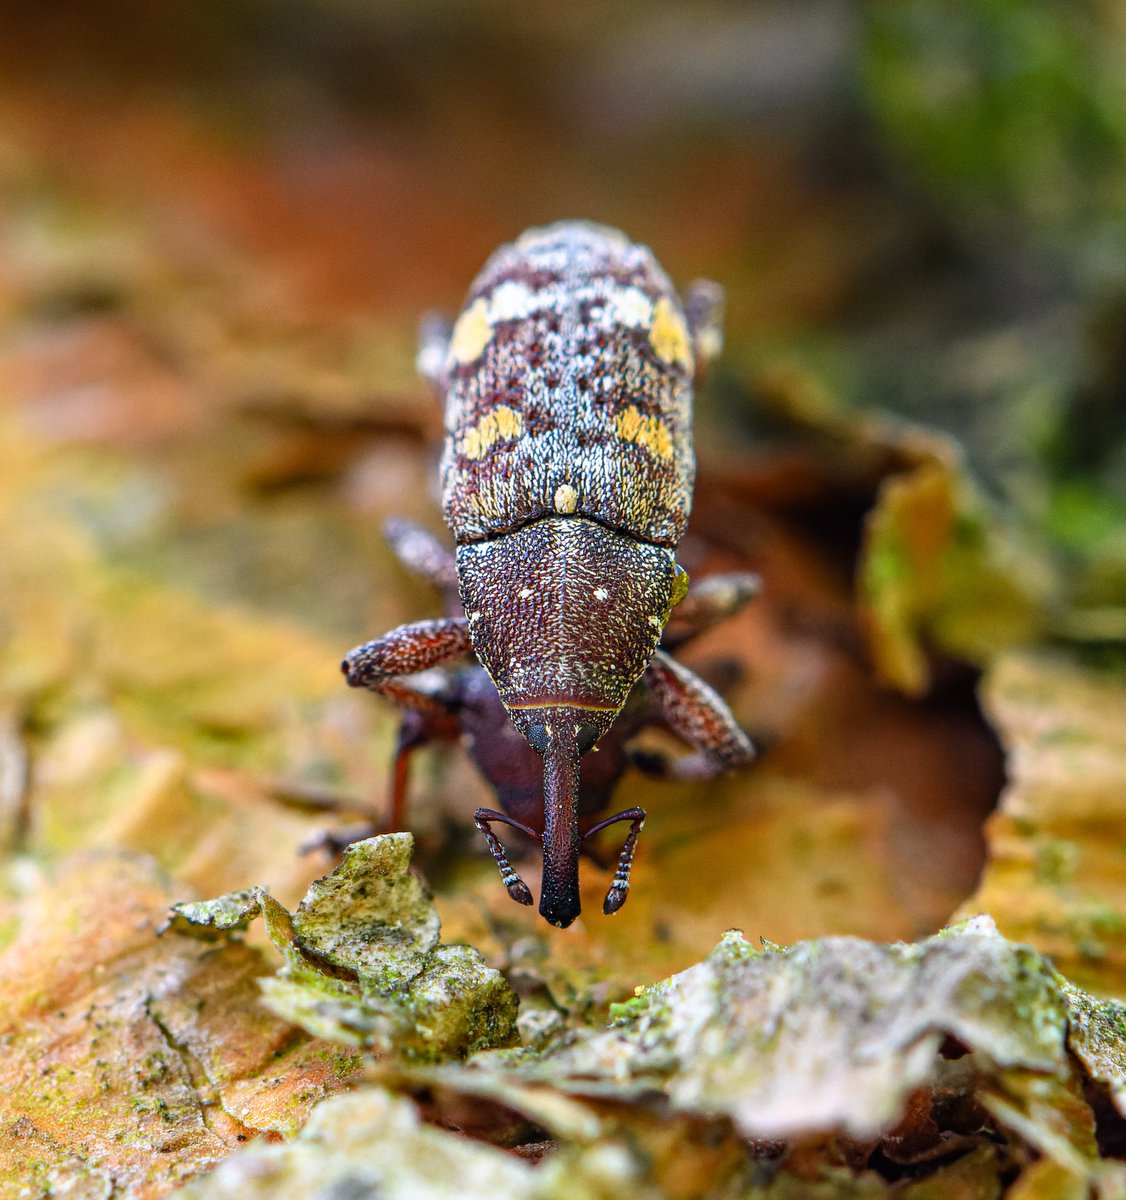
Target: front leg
x=428, y=703
x=380, y=665
x=703, y=306
x=421, y=552
x=694, y=712
x=433, y=350
x=713, y=599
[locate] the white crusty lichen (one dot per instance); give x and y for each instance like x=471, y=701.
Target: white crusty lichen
x=363, y=962
x=827, y=1036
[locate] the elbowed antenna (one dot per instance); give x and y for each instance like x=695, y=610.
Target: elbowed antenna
x=559, y=887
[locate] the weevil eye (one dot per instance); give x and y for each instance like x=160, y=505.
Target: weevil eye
x=537, y=738
x=585, y=737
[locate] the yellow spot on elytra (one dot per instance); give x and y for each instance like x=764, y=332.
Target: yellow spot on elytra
x=668, y=334
x=471, y=333
x=649, y=432
x=566, y=499
x=502, y=422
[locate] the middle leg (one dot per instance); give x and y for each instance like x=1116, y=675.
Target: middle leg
x=713, y=599
x=694, y=712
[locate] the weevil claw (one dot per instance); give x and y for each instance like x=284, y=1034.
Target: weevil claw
x=615, y=898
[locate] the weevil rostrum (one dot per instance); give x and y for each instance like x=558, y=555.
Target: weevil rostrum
x=567, y=478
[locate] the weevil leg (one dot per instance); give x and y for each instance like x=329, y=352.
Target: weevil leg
x=400, y=778
x=433, y=349
x=513, y=884
x=618, y=892
x=380, y=665
x=333, y=842
x=421, y=552
x=412, y=734
x=415, y=729
x=708, y=602
x=694, y=712
x=703, y=306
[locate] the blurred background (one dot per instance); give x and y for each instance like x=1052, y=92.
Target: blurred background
x=220, y=224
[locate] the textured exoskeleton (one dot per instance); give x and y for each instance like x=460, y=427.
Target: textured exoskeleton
x=567, y=480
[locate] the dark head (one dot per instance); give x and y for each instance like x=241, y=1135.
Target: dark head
x=565, y=615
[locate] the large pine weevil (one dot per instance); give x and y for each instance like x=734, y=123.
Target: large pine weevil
x=567, y=478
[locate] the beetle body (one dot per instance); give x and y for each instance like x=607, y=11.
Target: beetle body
x=568, y=384
x=567, y=478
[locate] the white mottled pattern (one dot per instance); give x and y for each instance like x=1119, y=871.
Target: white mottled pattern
x=629, y=306
x=513, y=301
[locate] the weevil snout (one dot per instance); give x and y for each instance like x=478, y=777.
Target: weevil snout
x=561, y=734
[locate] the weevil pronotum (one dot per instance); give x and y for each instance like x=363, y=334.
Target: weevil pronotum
x=567, y=479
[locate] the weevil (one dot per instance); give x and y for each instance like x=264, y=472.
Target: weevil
x=567, y=475
x=464, y=707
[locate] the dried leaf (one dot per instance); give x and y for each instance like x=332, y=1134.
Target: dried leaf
x=132, y=1061
x=1055, y=875
x=937, y=569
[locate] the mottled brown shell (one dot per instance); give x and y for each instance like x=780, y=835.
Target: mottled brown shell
x=566, y=611
x=569, y=390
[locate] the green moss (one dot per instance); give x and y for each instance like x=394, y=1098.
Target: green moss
x=823, y=1035
x=363, y=965
x=211, y=918
x=1015, y=108
x=629, y=1010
